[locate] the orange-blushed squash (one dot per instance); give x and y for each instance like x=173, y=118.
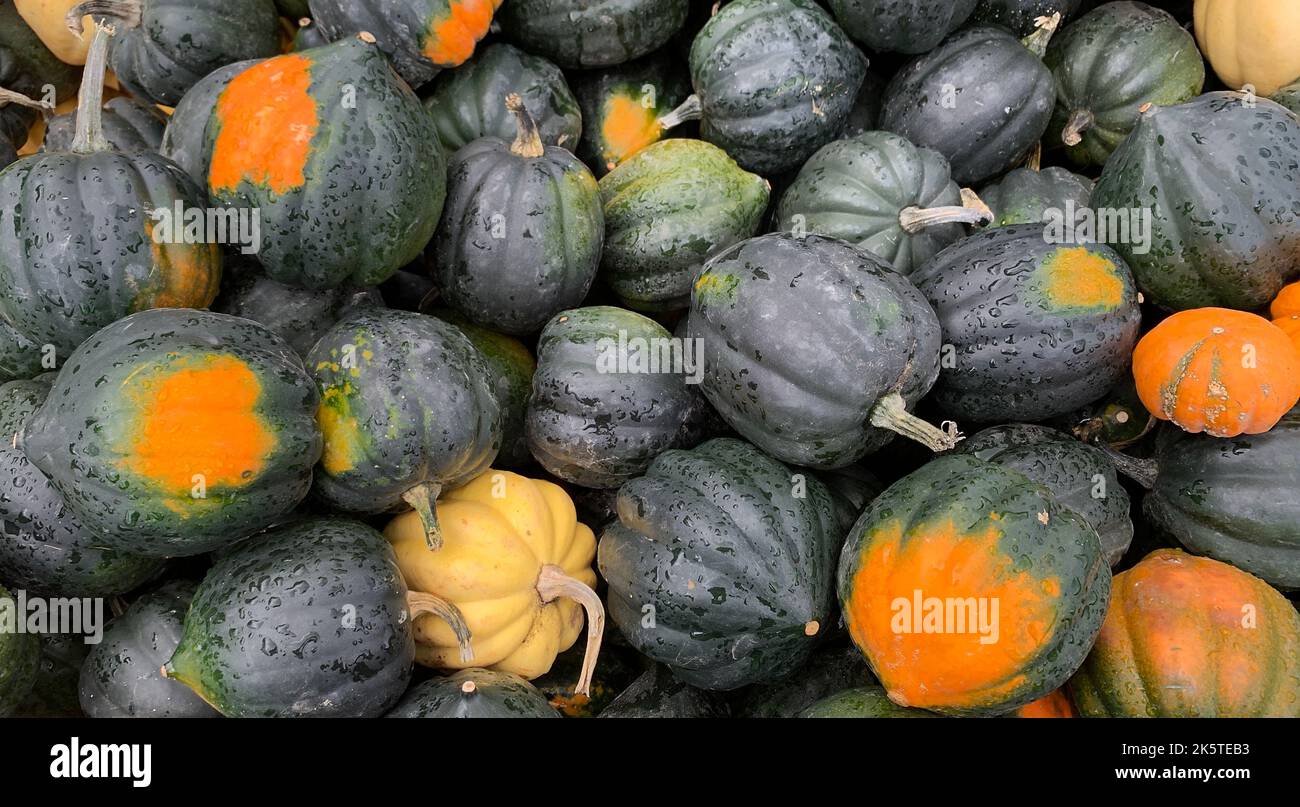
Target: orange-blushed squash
x=1287, y=301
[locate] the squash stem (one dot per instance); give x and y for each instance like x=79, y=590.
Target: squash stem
x=1080, y=121
x=129, y=12
x=553, y=583
x=8, y=97
x=972, y=211
x=890, y=412
x=690, y=109
x=1045, y=27
x=423, y=499
x=1144, y=472
x=1034, y=162
x=424, y=604
x=90, y=100
x=528, y=141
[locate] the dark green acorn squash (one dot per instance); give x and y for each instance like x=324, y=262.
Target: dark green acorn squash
x=1031, y=329
x=175, y=432
x=718, y=569
x=1025, y=196
x=982, y=99
x=856, y=347
x=601, y=411
x=474, y=693
x=852, y=488
x=884, y=195
x=776, y=80
x=407, y=409
x=469, y=102
x=310, y=619
x=658, y=693
x=308, y=35
x=861, y=702
x=1107, y=65
x=184, y=141
x=20, y=657
x=44, y=549
x=122, y=676
x=1222, y=182
x=1020, y=15
x=667, y=209
x=910, y=26
x=54, y=693
x=830, y=670
x=1117, y=419
x=865, y=113
x=1289, y=97
x=521, y=236
x=20, y=357
x=592, y=33
x=129, y=125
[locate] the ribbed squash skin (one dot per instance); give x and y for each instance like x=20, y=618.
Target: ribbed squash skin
x=1019, y=15
x=184, y=141
x=1023, y=195
x=667, y=209
x=1037, y=329
x=592, y=33
x=1226, y=226
x=122, y=678
x=469, y=102
x=20, y=357
x=944, y=100
x=406, y=399
x=855, y=189
x=861, y=702
x=657, y=693
x=357, y=194
x=808, y=69
x=1111, y=62
x=1250, y=42
x=901, y=26
x=1191, y=637
x=20, y=658
x=149, y=460
x=962, y=527
x=129, y=126
x=491, y=694
x=738, y=570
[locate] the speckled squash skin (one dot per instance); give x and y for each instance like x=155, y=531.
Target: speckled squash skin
x=308, y=620
x=469, y=102
x=738, y=569
x=1112, y=61
x=490, y=694
x=901, y=26
x=184, y=141
x=1225, y=226
x=122, y=675
x=149, y=461
x=352, y=199
x=808, y=401
x=1080, y=476
x=592, y=33
x=1024, y=196
x=962, y=527
x=591, y=424
x=44, y=549
x=129, y=126
x=20, y=357
x=829, y=671
x=20, y=658
x=855, y=189
x=809, y=69
x=178, y=42
x=1019, y=15
x=861, y=702
x=657, y=693
x=667, y=209
x=406, y=400
x=1037, y=329
x=944, y=100
x=1289, y=97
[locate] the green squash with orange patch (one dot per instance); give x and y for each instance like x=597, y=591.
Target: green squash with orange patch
x=1034, y=329
x=970, y=589
x=175, y=432
x=592, y=33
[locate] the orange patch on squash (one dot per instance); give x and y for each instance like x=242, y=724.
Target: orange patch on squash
x=190, y=274
x=267, y=120
x=1056, y=704
x=628, y=128
x=1079, y=278
x=451, y=37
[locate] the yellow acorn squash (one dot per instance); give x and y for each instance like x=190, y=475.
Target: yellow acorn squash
x=48, y=18
x=1251, y=41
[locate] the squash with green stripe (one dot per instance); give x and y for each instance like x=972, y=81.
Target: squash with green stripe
x=592, y=33
x=20, y=658
x=1030, y=196
x=861, y=702
x=474, y=693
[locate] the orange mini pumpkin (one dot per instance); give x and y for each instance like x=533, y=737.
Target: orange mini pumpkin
x=1218, y=371
x=1290, y=326
x=1287, y=302
x=1056, y=704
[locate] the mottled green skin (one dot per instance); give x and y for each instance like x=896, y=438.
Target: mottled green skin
x=80, y=438
x=185, y=140
x=852, y=331
x=734, y=564
x=20, y=660
x=1060, y=544
x=1289, y=97
x=776, y=78
x=657, y=693
x=129, y=125
x=901, y=26
x=1080, y=476
x=830, y=670
x=1018, y=354
x=1112, y=61
x=861, y=702
x=122, y=676
x=589, y=424
x=309, y=620
x=375, y=179
x=423, y=402
x=855, y=189
x=26, y=66
x=54, y=693
x=179, y=42
x=20, y=357
x=1019, y=15
x=946, y=100
x=1222, y=182
x=520, y=237
x=495, y=694
x=591, y=33
x=1023, y=195
x=667, y=210
x=44, y=549
x=1233, y=499
x=469, y=102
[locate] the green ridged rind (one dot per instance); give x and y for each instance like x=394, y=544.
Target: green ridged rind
x=1024, y=196
x=185, y=139
x=494, y=694
x=901, y=26
x=20, y=659
x=591, y=33
x=129, y=125
x=1020, y=15
x=861, y=702
x=657, y=693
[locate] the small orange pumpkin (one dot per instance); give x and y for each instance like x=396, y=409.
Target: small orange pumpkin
x=1290, y=325
x=1218, y=371
x=1287, y=301
x=1055, y=704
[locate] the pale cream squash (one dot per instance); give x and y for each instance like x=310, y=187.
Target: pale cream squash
x=1254, y=42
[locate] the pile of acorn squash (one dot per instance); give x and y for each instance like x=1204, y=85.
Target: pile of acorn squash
x=623, y=358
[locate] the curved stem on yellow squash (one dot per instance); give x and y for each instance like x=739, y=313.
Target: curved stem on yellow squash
x=423, y=604
x=423, y=499
x=130, y=12
x=8, y=97
x=553, y=583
